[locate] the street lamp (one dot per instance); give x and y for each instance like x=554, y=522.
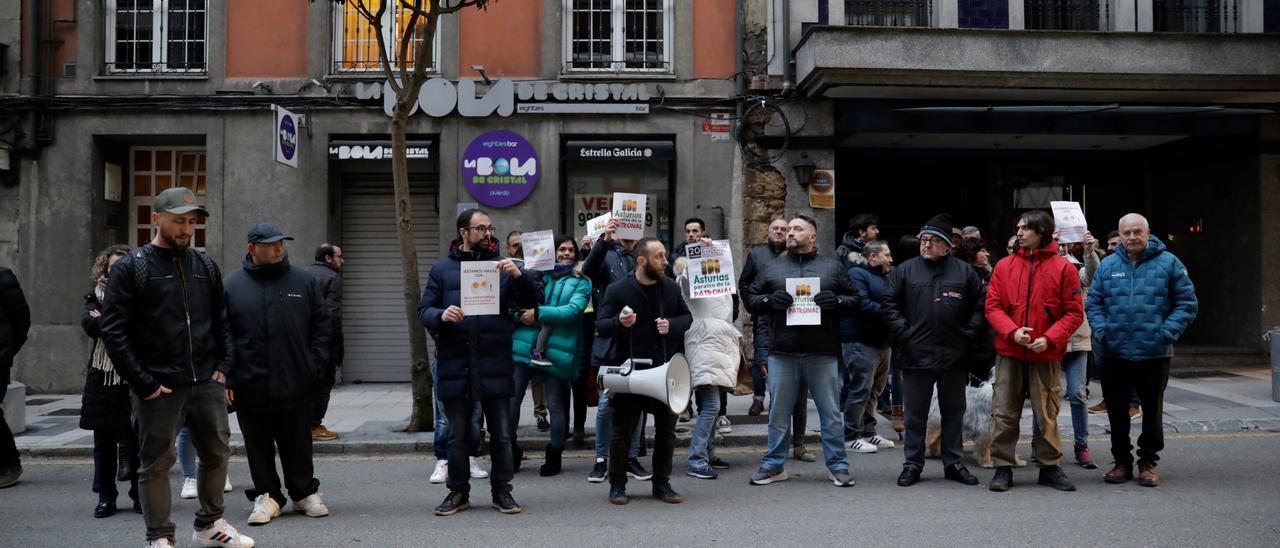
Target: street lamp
x=804, y=169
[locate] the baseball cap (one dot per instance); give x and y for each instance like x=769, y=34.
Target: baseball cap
x=266, y=233
x=177, y=200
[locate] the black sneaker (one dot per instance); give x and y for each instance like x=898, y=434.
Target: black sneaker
x=718, y=463
x=664, y=492
x=506, y=504
x=599, y=472
x=635, y=470
x=957, y=472
x=456, y=502
x=618, y=495
x=1003, y=479
x=1054, y=477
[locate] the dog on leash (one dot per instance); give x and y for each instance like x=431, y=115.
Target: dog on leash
x=979, y=427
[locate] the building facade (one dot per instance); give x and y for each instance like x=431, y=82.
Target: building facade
x=111, y=101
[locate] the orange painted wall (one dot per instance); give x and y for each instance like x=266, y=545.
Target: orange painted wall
x=506, y=39
x=64, y=33
x=266, y=38
x=714, y=38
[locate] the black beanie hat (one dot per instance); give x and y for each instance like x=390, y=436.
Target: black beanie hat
x=940, y=226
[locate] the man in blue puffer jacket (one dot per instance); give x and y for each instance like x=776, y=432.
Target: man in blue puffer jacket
x=1141, y=302
x=864, y=339
x=474, y=358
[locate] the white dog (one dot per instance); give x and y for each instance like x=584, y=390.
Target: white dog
x=979, y=427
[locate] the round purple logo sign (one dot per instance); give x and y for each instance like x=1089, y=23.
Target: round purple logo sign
x=500, y=168
x=288, y=137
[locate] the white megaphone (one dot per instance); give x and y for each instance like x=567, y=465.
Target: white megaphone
x=670, y=383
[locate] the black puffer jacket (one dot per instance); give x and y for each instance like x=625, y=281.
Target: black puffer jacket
x=281, y=330
x=101, y=406
x=802, y=339
x=934, y=312
x=15, y=320
x=171, y=329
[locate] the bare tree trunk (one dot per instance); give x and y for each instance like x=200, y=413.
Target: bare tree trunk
x=423, y=417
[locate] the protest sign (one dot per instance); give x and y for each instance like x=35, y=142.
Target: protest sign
x=480, y=289
x=803, y=310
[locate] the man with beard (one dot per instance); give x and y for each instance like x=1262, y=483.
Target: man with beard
x=803, y=355
x=474, y=359
x=327, y=270
x=646, y=317
x=281, y=331
x=164, y=323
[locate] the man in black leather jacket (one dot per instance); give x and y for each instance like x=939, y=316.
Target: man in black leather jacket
x=164, y=324
x=280, y=325
x=803, y=354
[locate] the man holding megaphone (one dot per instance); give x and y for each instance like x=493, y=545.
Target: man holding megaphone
x=645, y=318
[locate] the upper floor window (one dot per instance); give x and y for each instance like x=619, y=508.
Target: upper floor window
x=355, y=44
x=888, y=13
x=156, y=36
x=619, y=35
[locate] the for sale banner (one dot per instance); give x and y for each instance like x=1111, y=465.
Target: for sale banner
x=629, y=210
x=480, y=288
x=710, y=270
x=539, y=250
x=803, y=310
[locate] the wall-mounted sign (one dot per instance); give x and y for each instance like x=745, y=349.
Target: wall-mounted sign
x=376, y=150
x=439, y=97
x=822, y=189
x=113, y=182
x=619, y=150
x=286, y=136
x=500, y=168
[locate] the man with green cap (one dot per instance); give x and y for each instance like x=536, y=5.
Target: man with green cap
x=164, y=324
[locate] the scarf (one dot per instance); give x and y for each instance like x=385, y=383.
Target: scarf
x=100, y=360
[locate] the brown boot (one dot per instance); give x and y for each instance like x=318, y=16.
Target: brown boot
x=1120, y=474
x=1147, y=476
x=757, y=407
x=896, y=419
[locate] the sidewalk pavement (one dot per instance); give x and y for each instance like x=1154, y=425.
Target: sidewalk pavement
x=370, y=417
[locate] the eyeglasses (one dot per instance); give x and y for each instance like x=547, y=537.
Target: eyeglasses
x=482, y=228
x=929, y=240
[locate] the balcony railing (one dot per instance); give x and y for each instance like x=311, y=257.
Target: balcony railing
x=1196, y=15
x=1065, y=14
x=888, y=13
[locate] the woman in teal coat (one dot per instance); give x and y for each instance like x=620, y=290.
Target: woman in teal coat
x=547, y=346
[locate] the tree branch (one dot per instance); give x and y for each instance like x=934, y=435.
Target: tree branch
x=375, y=21
x=406, y=39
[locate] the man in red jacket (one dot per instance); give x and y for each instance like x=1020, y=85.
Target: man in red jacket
x=1033, y=304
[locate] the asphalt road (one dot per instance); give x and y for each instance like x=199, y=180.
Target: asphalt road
x=1218, y=490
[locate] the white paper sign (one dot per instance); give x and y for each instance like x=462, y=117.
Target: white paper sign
x=710, y=270
x=539, y=250
x=1070, y=221
x=480, y=288
x=597, y=226
x=803, y=310
x=629, y=210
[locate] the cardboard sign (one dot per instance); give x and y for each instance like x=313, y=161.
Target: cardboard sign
x=803, y=310
x=480, y=289
x=710, y=270
x=539, y=250
x=629, y=210
x=1070, y=221
x=597, y=226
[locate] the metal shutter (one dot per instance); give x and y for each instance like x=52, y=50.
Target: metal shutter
x=377, y=346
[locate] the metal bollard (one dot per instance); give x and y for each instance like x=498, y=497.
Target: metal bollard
x=1274, y=337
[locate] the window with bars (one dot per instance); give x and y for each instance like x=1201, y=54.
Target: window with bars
x=1066, y=14
x=156, y=36
x=355, y=44
x=1196, y=15
x=618, y=35
x=153, y=169
x=888, y=13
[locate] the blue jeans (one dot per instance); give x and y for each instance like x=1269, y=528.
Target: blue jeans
x=443, y=433
x=186, y=453
x=821, y=374
x=557, y=393
x=702, y=446
x=1073, y=369
x=866, y=369
x=604, y=430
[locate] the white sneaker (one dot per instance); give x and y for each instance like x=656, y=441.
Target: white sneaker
x=861, y=446
x=441, y=472
x=723, y=425
x=880, y=442
x=160, y=543
x=312, y=505
x=265, y=509
x=221, y=534
x=188, y=488
x=476, y=471
x=226, y=487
